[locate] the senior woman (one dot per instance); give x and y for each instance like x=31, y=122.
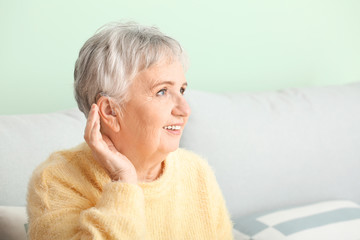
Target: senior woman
x=129, y=180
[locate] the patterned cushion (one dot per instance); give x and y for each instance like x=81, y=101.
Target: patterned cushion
x=330, y=220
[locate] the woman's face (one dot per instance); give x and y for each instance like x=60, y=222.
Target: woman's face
x=156, y=113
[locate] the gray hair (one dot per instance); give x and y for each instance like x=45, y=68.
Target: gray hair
x=109, y=60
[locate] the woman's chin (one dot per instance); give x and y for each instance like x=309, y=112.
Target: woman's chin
x=170, y=147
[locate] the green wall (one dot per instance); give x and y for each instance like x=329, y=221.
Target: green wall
x=233, y=45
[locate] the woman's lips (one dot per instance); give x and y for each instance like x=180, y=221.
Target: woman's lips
x=174, y=129
x=175, y=132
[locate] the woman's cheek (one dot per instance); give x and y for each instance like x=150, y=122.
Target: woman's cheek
x=153, y=133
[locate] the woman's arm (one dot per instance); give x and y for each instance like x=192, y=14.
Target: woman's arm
x=59, y=210
x=224, y=224
x=222, y=218
x=59, y=204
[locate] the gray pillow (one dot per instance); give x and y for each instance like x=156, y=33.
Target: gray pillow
x=331, y=220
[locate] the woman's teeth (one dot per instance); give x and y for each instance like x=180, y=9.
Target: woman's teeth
x=172, y=127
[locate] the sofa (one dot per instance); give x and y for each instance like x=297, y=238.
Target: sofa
x=287, y=161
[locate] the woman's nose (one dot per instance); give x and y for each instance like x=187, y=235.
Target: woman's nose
x=181, y=107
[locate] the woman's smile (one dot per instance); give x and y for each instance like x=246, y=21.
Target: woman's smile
x=175, y=129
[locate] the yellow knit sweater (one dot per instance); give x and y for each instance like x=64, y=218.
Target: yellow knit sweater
x=70, y=196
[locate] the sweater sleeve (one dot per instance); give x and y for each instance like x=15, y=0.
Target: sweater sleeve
x=57, y=210
x=222, y=218
x=224, y=224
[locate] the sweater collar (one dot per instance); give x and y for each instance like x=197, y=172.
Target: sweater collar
x=155, y=188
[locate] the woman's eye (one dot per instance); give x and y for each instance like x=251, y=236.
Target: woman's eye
x=161, y=92
x=182, y=91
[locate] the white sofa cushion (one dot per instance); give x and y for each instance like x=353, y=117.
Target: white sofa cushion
x=280, y=148
x=26, y=141
x=12, y=221
x=330, y=220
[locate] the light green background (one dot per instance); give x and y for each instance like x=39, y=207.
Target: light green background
x=233, y=45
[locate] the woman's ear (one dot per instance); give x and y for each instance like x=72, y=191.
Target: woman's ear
x=108, y=113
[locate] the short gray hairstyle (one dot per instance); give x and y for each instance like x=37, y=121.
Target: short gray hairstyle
x=109, y=60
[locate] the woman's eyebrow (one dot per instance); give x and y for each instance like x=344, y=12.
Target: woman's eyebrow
x=166, y=83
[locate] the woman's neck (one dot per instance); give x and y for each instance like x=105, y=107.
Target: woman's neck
x=150, y=174
x=148, y=168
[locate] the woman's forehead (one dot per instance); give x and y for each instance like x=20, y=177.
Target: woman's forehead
x=161, y=73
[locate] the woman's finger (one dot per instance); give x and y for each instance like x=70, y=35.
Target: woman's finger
x=89, y=123
x=95, y=137
x=94, y=134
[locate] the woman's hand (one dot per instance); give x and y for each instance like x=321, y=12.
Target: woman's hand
x=118, y=167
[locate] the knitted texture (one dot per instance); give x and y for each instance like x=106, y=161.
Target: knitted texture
x=70, y=196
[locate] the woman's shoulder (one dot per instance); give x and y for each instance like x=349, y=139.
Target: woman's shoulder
x=62, y=157
x=191, y=160
x=194, y=170
x=189, y=155
x=66, y=163
x=67, y=175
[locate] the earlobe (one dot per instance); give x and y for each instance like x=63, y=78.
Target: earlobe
x=107, y=112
